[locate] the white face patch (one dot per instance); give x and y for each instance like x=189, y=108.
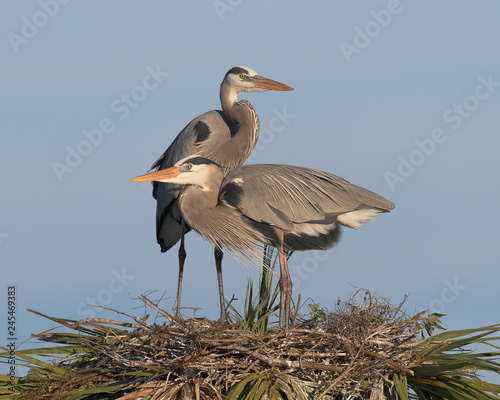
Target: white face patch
x=237, y=85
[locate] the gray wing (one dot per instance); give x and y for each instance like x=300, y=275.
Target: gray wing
x=283, y=195
x=211, y=125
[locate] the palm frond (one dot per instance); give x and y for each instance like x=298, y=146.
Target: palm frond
x=259, y=309
x=446, y=365
x=270, y=385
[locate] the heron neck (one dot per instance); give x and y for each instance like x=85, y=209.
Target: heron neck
x=216, y=221
x=196, y=199
x=228, y=97
x=239, y=112
x=243, y=114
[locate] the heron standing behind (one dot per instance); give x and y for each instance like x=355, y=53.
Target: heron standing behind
x=226, y=137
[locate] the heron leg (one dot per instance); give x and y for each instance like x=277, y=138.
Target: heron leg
x=182, y=258
x=218, y=254
x=285, y=283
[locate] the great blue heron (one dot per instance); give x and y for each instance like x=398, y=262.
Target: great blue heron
x=227, y=137
x=291, y=208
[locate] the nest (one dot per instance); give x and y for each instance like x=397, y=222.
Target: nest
x=351, y=352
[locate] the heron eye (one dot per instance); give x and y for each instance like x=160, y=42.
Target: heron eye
x=189, y=166
x=242, y=76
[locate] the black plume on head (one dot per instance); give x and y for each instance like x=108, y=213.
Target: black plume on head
x=198, y=160
x=237, y=71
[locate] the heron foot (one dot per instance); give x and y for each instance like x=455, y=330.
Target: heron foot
x=224, y=319
x=176, y=314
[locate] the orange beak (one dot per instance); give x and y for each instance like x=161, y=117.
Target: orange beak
x=161, y=175
x=264, y=83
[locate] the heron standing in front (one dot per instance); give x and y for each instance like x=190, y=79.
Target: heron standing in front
x=291, y=208
x=226, y=137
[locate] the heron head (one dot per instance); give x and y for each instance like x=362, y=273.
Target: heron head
x=192, y=170
x=243, y=79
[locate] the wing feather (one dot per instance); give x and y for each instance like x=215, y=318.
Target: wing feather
x=283, y=195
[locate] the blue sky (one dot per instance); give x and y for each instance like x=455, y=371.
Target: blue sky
x=400, y=97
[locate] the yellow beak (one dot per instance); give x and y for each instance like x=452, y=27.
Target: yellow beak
x=161, y=175
x=264, y=83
